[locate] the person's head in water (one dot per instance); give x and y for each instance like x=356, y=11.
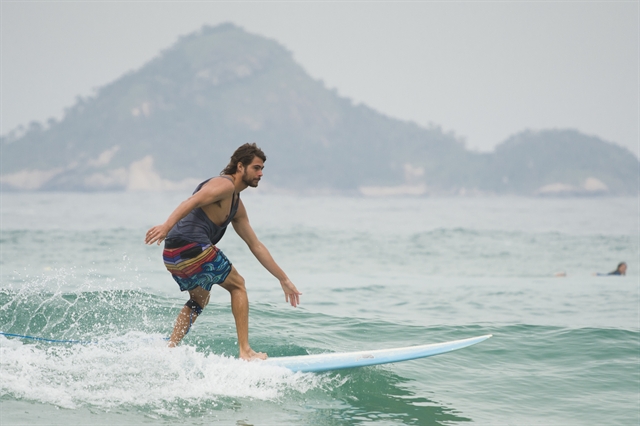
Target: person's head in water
x=245, y=156
x=622, y=268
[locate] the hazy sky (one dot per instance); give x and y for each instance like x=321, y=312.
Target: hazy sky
x=484, y=70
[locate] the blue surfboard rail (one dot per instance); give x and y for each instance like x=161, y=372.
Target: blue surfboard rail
x=336, y=361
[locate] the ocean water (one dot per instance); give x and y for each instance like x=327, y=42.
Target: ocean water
x=374, y=273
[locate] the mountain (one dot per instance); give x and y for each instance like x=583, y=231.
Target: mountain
x=177, y=120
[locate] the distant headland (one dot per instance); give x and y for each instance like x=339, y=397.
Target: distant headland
x=176, y=121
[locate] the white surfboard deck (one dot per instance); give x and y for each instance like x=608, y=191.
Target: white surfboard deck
x=336, y=361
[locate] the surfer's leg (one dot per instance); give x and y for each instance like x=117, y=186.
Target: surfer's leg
x=188, y=315
x=234, y=284
x=199, y=268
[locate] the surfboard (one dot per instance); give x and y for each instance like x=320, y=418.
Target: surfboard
x=335, y=361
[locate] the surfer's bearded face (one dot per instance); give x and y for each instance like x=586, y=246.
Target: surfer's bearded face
x=253, y=172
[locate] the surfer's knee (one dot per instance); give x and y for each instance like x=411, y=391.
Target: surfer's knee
x=234, y=282
x=239, y=282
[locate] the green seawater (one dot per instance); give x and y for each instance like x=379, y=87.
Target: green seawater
x=374, y=273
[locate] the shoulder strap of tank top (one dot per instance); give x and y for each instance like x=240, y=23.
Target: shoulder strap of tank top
x=227, y=177
x=202, y=183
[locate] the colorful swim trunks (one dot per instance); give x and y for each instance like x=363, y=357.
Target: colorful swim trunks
x=194, y=264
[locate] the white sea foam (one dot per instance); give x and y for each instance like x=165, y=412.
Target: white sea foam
x=140, y=373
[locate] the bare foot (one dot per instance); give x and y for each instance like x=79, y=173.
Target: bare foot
x=252, y=355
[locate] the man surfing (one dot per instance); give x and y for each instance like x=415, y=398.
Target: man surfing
x=196, y=264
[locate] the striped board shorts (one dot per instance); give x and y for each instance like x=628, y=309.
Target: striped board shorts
x=194, y=264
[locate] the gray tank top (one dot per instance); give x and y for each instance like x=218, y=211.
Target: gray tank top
x=198, y=228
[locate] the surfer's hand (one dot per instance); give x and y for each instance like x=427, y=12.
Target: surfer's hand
x=157, y=233
x=291, y=293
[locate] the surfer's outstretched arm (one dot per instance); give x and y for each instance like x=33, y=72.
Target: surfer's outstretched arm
x=243, y=229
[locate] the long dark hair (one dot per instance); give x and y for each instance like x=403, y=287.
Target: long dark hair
x=245, y=155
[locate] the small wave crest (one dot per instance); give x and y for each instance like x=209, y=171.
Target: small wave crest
x=43, y=309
